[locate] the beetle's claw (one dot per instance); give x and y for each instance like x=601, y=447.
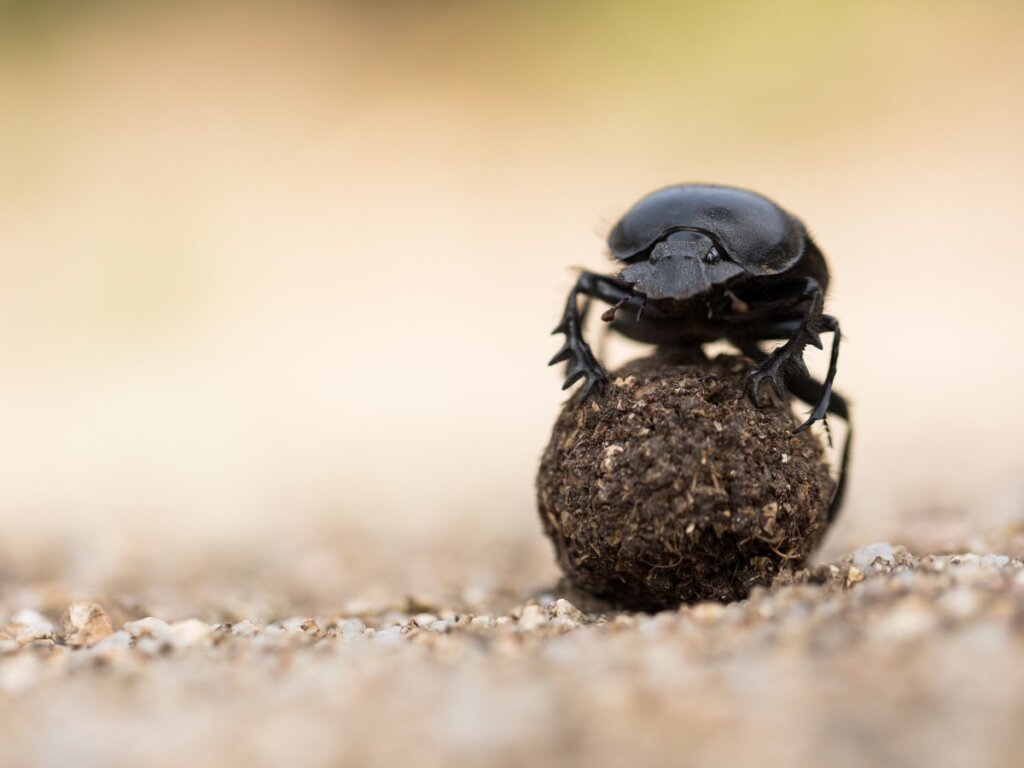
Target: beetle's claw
x=592, y=384
x=563, y=354
x=818, y=414
x=580, y=364
x=770, y=372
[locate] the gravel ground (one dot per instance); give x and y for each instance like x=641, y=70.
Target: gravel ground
x=882, y=657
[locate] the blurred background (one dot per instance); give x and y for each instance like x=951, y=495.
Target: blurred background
x=285, y=271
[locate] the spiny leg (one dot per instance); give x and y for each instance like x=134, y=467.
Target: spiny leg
x=827, y=323
x=789, y=357
x=580, y=360
x=781, y=362
x=811, y=391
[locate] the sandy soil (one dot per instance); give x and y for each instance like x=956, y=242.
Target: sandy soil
x=881, y=657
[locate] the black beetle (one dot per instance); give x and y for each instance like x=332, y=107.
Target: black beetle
x=703, y=263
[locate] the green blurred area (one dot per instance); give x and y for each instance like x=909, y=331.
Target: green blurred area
x=767, y=65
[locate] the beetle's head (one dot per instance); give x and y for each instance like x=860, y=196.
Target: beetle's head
x=682, y=265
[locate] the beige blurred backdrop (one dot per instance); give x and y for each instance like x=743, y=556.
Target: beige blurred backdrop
x=279, y=267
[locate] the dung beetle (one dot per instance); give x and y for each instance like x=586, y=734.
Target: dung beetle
x=703, y=263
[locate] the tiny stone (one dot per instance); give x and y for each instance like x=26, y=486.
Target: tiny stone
x=34, y=632
x=149, y=627
x=390, y=636
x=855, y=575
x=531, y=618
x=866, y=557
x=707, y=612
x=85, y=624
x=566, y=610
x=245, y=629
x=350, y=627
x=120, y=640
x=190, y=632
x=152, y=646
x=998, y=561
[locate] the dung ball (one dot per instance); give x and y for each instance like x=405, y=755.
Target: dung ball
x=670, y=486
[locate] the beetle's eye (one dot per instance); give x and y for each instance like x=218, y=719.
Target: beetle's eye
x=712, y=256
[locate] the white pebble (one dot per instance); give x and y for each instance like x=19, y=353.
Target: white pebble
x=565, y=610
x=531, y=618
x=118, y=641
x=190, y=632
x=34, y=632
x=389, y=636
x=998, y=561
x=245, y=629
x=149, y=627
x=350, y=627
x=865, y=557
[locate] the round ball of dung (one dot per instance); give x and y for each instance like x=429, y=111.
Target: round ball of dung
x=670, y=486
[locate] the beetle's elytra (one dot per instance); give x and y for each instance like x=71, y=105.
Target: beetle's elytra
x=702, y=263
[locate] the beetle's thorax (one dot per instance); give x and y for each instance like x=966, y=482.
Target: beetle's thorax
x=682, y=265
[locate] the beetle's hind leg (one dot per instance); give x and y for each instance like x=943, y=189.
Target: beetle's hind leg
x=827, y=323
x=579, y=359
x=815, y=393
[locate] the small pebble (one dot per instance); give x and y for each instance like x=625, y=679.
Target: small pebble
x=866, y=557
x=118, y=641
x=34, y=632
x=190, y=632
x=85, y=624
x=351, y=627
x=531, y=618
x=149, y=627
x=245, y=629
x=996, y=561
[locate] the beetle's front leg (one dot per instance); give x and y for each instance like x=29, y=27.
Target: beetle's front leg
x=789, y=358
x=580, y=360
